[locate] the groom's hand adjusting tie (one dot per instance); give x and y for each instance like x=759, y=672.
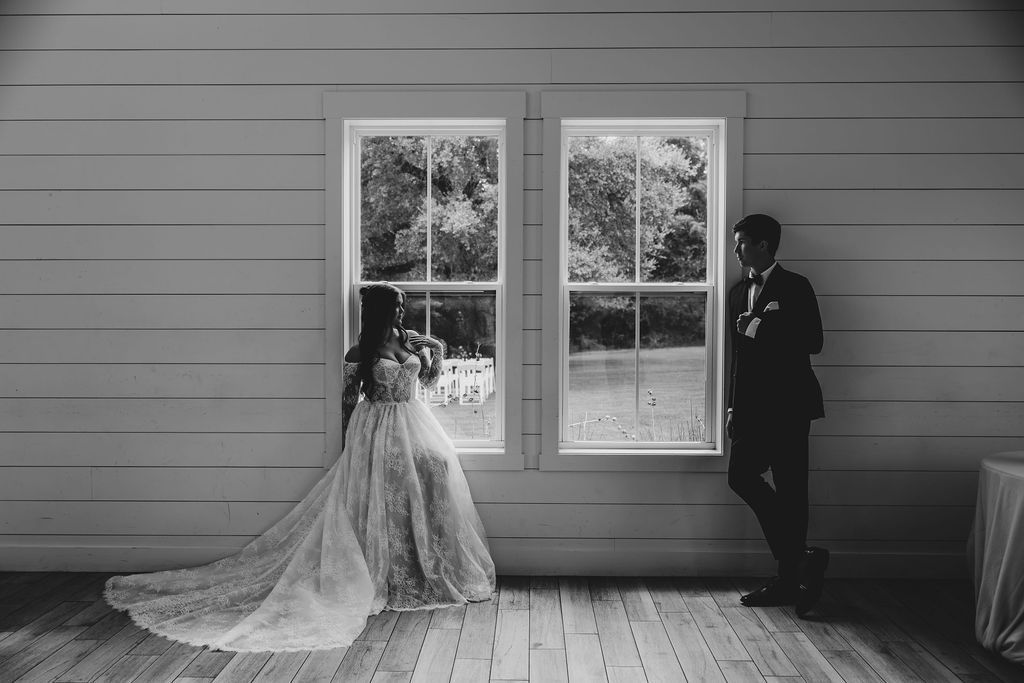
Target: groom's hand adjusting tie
x=747, y=323
x=745, y=319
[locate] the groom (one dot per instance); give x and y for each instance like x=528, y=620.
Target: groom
x=773, y=397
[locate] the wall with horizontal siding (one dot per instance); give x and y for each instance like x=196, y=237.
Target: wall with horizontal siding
x=162, y=264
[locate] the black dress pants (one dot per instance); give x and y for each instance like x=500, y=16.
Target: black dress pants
x=779, y=445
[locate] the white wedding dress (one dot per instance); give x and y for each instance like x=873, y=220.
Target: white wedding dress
x=391, y=525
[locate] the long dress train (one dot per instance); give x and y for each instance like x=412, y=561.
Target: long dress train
x=391, y=525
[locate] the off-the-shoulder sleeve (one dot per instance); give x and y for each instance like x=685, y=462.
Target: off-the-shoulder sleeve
x=349, y=394
x=431, y=369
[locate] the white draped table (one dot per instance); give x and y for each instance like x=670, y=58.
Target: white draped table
x=997, y=546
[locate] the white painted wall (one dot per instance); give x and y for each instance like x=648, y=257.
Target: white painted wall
x=162, y=275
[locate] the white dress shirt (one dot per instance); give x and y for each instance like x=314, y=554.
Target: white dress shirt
x=753, y=292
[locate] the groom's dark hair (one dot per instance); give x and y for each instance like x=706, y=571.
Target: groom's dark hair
x=761, y=226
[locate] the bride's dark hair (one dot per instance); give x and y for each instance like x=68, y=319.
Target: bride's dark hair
x=376, y=320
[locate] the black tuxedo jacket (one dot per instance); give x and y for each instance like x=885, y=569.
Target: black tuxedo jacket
x=772, y=378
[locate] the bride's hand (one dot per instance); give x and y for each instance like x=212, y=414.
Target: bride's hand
x=421, y=341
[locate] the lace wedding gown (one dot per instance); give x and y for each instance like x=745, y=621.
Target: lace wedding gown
x=391, y=525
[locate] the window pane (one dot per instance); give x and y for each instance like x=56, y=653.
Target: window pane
x=464, y=214
x=602, y=368
x=464, y=400
x=393, y=216
x=673, y=209
x=673, y=367
x=602, y=209
x=415, y=317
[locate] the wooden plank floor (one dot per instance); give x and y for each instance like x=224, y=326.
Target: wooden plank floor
x=55, y=627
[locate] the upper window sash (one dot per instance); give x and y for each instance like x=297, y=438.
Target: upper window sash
x=357, y=130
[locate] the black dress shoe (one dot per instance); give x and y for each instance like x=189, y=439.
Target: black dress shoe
x=775, y=592
x=815, y=564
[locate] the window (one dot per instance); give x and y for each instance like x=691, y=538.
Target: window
x=426, y=203
x=430, y=219
x=636, y=291
x=636, y=284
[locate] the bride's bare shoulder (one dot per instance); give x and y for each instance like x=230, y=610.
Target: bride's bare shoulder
x=352, y=355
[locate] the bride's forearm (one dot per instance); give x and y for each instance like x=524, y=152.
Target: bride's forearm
x=431, y=371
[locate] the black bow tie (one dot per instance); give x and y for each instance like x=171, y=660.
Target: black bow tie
x=756, y=278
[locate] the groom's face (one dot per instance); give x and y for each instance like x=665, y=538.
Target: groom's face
x=749, y=252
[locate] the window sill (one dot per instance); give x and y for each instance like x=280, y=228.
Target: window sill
x=641, y=452
x=623, y=460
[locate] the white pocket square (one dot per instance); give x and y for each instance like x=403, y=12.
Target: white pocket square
x=772, y=306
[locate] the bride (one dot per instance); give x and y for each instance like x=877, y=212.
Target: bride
x=391, y=525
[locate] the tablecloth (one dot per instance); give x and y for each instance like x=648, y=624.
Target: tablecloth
x=997, y=550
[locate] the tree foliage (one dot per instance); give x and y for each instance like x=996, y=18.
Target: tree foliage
x=603, y=208
x=605, y=212
x=605, y=215
x=463, y=208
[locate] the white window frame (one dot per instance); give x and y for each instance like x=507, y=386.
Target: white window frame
x=348, y=113
x=638, y=113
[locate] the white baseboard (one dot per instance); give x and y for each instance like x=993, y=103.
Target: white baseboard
x=541, y=556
